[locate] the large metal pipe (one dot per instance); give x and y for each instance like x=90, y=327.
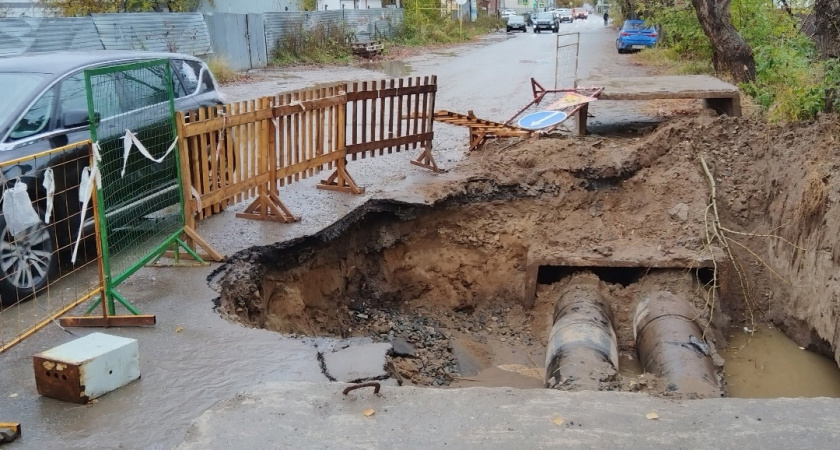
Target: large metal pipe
x=582, y=350
x=671, y=345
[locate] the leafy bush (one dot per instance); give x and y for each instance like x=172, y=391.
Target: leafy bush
x=324, y=43
x=425, y=22
x=790, y=84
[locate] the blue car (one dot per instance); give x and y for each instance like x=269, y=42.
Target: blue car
x=635, y=36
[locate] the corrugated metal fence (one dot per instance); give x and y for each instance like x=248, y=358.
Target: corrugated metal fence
x=181, y=32
x=240, y=38
x=19, y=35
x=245, y=40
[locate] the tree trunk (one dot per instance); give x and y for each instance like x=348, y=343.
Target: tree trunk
x=827, y=27
x=730, y=52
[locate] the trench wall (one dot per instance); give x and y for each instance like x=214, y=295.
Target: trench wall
x=780, y=183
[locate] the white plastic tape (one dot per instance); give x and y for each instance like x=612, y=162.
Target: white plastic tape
x=18, y=210
x=49, y=185
x=130, y=140
x=89, y=177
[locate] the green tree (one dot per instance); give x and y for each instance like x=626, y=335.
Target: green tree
x=85, y=7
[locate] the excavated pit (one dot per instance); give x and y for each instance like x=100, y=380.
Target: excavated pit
x=465, y=285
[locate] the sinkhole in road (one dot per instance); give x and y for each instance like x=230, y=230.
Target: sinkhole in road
x=449, y=283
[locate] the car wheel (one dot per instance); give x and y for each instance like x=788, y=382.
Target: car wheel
x=621, y=51
x=536, y=30
x=26, y=265
x=508, y=30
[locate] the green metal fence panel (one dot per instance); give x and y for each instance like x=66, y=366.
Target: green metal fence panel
x=141, y=209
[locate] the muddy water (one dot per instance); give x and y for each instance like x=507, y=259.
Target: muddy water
x=393, y=69
x=768, y=364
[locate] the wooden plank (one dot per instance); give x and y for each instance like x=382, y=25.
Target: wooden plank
x=407, y=122
x=373, y=118
x=143, y=320
x=398, y=141
x=424, y=122
x=260, y=149
x=341, y=138
x=297, y=142
x=390, y=92
x=289, y=137
x=245, y=133
x=271, y=152
x=220, y=194
x=391, y=117
x=364, y=116
x=280, y=151
x=234, y=172
x=354, y=110
x=399, y=114
x=184, y=167
x=382, y=117
x=320, y=127
x=215, y=124
x=331, y=127
x=204, y=162
x=319, y=103
x=416, y=114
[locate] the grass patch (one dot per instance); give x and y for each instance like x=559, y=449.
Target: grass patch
x=222, y=70
x=666, y=61
x=326, y=43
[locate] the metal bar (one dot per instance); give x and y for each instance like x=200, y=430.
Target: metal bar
x=142, y=320
x=32, y=330
x=145, y=260
x=124, y=302
x=45, y=153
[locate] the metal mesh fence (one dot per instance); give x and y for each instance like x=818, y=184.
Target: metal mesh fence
x=141, y=210
x=48, y=234
x=566, y=63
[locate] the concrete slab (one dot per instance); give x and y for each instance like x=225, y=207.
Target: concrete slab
x=620, y=253
x=719, y=95
x=662, y=87
x=307, y=415
x=360, y=362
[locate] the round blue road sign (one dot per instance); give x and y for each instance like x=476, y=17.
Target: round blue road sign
x=542, y=119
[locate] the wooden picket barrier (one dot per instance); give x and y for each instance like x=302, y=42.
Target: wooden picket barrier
x=248, y=150
x=392, y=115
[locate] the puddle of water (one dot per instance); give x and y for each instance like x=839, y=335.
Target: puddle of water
x=629, y=366
x=394, y=68
x=768, y=364
x=497, y=377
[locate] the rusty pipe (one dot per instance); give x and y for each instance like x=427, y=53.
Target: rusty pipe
x=582, y=348
x=671, y=345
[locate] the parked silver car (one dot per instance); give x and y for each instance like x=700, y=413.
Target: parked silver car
x=45, y=107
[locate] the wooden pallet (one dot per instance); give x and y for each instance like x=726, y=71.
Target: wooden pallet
x=368, y=49
x=481, y=130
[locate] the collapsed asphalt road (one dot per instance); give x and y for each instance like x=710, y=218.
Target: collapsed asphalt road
x=193, y=359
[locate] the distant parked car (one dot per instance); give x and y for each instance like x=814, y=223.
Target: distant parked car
x=635, y=36
x=516, y=22
x=507, y=13
x=580, y=13
x=545, y=21
x=45, y=107
x=564, y=15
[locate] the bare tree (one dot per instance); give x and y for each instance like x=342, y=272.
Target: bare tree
x=730, y=52
x=827, y=27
